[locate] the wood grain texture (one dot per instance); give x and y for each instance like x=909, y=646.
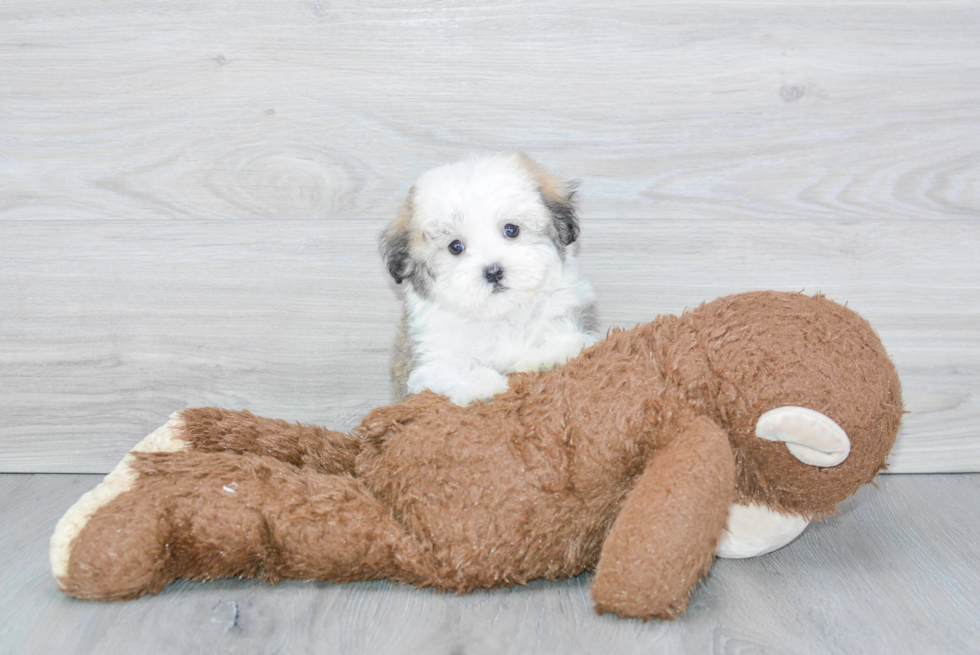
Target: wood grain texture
x=895, y=572
x=113, y=325
x=253, y=110
x=189, y=192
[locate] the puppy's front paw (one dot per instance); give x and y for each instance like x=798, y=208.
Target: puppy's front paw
x=555, y=352
x=479, y=384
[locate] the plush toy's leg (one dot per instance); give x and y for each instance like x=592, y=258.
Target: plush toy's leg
x=664, y=538
x=212, y=430
x=811, y=437
x=287, y=490
x=211, y=515
x=208, y=430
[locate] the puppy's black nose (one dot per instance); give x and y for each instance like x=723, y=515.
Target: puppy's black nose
x=493, y=273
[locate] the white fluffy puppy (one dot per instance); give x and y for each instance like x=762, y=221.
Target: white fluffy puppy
x=492, y=288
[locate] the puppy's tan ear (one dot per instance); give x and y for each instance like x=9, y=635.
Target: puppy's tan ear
x=558, y=197
x=395, y=240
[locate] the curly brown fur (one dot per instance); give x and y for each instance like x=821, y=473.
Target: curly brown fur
x=624, y=461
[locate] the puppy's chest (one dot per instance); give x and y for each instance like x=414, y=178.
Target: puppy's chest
x=495, y=344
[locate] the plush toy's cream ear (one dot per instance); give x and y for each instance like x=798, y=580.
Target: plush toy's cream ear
x=811, y=437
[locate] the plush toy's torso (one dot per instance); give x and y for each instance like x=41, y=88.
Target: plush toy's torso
x=529, y=485
x=514, y=490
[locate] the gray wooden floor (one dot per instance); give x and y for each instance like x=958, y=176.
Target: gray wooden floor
x=898, y=571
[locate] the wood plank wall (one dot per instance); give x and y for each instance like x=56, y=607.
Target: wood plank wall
x=190, y=192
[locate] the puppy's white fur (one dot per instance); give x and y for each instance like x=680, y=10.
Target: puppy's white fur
x=506, y=302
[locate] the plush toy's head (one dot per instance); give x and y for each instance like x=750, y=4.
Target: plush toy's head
x=624, y=461
x=768, y=350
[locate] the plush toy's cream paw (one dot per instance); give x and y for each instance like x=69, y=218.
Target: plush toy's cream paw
x=756, y=530
x=812, y=437
x=121, y=479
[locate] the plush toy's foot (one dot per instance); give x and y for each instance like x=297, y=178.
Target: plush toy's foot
x=756, y=530
x=811, y=437
x=164, y=439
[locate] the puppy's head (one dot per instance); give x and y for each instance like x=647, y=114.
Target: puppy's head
x=482, y=236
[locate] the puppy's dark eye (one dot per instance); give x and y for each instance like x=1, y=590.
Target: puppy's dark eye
x=511, y=230
x=456, y=247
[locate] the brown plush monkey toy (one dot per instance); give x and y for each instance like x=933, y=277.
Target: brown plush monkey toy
x=625, y=461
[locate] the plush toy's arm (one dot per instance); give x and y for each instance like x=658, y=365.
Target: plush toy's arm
x=664, y=538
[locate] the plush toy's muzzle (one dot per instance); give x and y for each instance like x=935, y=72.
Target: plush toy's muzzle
x=624, y=461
